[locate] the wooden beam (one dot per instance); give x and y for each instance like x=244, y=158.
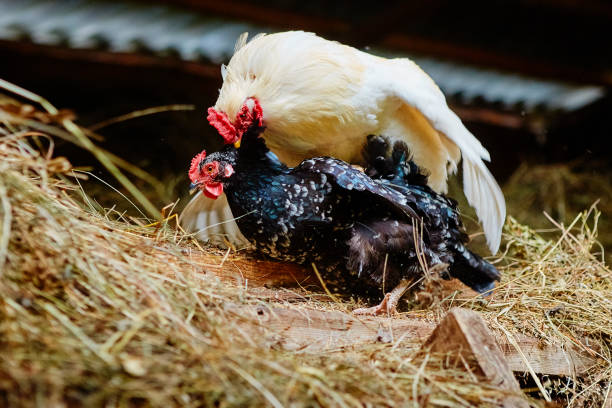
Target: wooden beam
x=545, y=359
x=312, y=330
x=577, y=7
x=252, y=272
x=137, y=60
x=490, y=116
x=270, y=16
x=484, y=57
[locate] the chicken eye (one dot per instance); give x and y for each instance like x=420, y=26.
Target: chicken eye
x=210, y=169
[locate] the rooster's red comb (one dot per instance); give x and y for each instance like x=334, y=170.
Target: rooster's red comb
x=258, y=111
x=221, y=122
x=194, y=170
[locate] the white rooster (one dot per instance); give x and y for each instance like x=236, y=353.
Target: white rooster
x=323, y=98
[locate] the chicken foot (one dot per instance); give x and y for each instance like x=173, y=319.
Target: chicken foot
x=389, y=303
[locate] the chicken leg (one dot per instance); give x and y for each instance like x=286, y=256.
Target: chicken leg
x=389, y=303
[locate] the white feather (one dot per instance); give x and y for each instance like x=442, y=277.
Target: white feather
x=241, y=41
x=212, y=221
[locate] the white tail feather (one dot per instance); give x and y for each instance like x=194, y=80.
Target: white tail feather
x=212, y=221
x=483, y=193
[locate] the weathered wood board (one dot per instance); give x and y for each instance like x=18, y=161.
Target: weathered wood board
x=312, y=330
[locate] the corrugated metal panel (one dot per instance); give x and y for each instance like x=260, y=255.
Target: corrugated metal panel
x=475, y=85
x=133, y=27
x=121, y=27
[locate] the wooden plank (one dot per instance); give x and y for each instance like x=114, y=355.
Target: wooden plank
x=141, y=61
x=311, y=330
x=475, y=55
x=263, y=14
x=463, y=336
x=492, y=116
x=545, y=359
x=255, y=272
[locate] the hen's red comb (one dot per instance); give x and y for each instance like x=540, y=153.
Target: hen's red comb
x=194, y=170
x=221, y=122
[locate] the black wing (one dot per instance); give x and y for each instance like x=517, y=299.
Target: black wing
x=349, y=178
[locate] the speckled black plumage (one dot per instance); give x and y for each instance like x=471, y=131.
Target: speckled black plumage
x=446, y=234
x=357, y=229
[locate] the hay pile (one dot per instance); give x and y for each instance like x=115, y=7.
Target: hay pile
x=101, y=309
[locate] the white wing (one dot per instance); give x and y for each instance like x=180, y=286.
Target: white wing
x=212, y=221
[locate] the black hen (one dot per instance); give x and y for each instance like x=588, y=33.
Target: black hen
x=370, y=233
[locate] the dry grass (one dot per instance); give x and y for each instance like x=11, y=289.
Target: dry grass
x=99, y=309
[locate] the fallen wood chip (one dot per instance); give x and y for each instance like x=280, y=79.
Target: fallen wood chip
x=463, y=337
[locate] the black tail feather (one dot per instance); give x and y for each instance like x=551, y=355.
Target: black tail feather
x=473, y=271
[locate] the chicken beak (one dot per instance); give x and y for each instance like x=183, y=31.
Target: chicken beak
x=237, y=143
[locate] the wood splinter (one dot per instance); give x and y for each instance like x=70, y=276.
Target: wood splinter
x=464, y=334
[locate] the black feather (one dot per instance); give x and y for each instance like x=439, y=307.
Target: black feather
x=394, y=165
